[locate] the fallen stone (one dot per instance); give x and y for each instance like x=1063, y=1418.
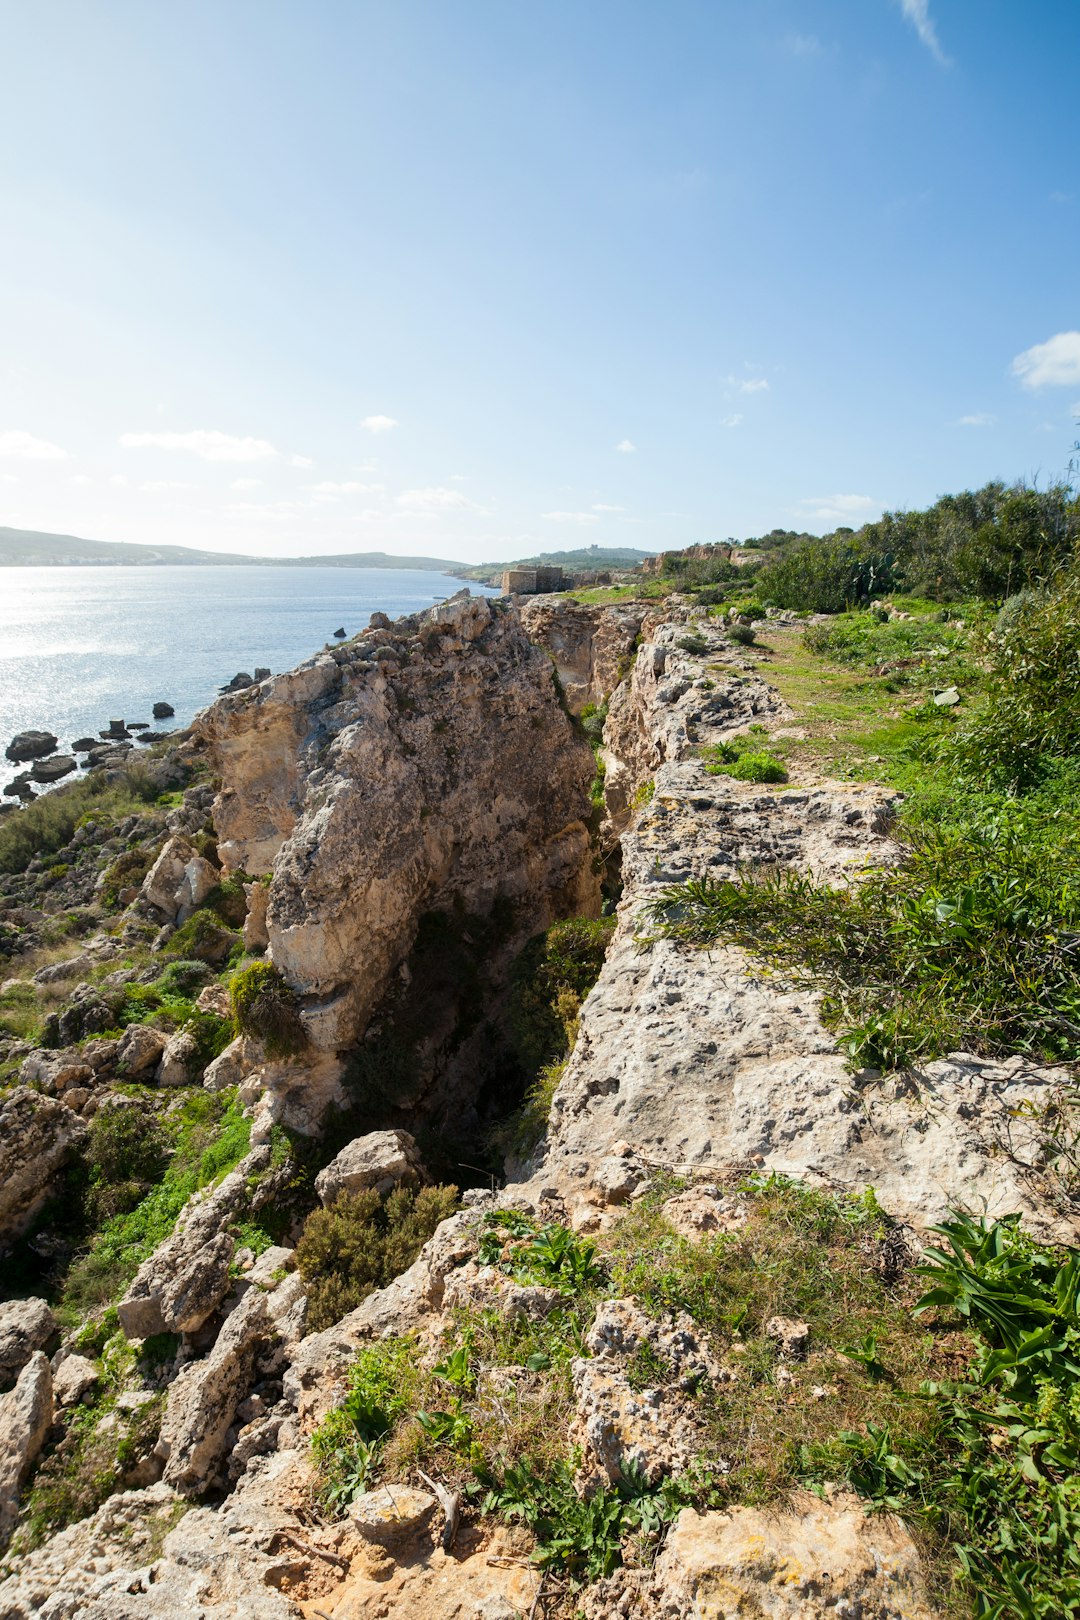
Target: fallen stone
x=140, y=1050
x=199, y=879
x=179, y=1060
x=704, y=1211
x=162, y=711
x=73, y=1377
x=187, y=1276
x=37, y=1136
x=26, y=1325
x=161, y=884
x=392, y=1515
x=26, y=1414
x=382, y=1160
x=51, y=770
x=791, y=1338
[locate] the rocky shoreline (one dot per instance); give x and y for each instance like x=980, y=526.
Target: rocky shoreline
x=383, y=831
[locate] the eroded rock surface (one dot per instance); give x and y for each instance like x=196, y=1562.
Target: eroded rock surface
x=407, y=769
x=379, y=1161
x=26, y=1325
x=37, y=1134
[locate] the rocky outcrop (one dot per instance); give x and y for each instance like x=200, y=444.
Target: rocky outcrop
x=592, y=648
x=179, y=880
x=187, y=1277
x=411, y=769
x=819, y=1560
x=37, y=1135
x=26, y=1325
x=204, y=1397
x=30, y=745
x=382, y=1160
x=26, y=1413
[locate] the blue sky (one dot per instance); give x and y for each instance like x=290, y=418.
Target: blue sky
x=476, y=278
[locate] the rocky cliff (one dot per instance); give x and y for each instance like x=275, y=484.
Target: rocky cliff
x=704, y=1119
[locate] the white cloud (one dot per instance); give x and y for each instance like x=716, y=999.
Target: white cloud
x=731, y=421
x=458, y=478
x=434, y=499
x=204, y=442
x=571, y=517
x=748, y=385
x=29, y=448
x=380, y=424
x=162, y=486
x=839, y=508
x=802, y=44
x=327, y=487
x=977, y=419
x=8, y=478
x=245, y=483
x=301, y=461
x=917, y=13
x=1053, y=364
x=80, y=480
x=626, y=447
x=599, y=506
x=121, y=480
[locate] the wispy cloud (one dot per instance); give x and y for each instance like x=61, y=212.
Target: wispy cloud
x=245, y=483
x=206, y=443
x=838, y=508
x=601, y=506
x=626, y=447
x=801, y=44
x=435, y=499
x=977, y=419
x=328, y=487
x=160, y=486
x=379, y=424
x=80, y=480
x=120, y=480
x=1062, y=196
x=301, y=461
x=917, y=13
x=731, y=421
x=27, y=447
x=571, y=517
x=748, y=385
x=1053, y=364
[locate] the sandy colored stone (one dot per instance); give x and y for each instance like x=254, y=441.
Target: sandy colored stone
x=26, y=1325
x=37, y=1136
x=381, y=1161
x=26, y=1414
x=140, y=1050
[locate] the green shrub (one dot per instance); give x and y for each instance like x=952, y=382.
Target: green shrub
x=827, y=576
x=361, y=1243
x=50, y=821
x=265, y=1006
x=346, y=1448
x=744, y=761
x=183, y=978
x=228, y=899
x=127, y=1152
x=999, y=1482
x=744, y=634
x=203, y=937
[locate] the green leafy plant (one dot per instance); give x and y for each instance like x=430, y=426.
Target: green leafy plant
x=265, y=1006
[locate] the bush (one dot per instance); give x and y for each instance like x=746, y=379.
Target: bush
x=203, y=937
x=827, y=576
x=362, y=1243
x=744, y=761
x=744, y=634
x=183, y=978
x=49, y=823
x=265, y=1006
x=127, y=1152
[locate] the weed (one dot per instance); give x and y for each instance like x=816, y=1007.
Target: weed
x=265, y=1006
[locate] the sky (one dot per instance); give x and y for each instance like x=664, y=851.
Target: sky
x=476, y=279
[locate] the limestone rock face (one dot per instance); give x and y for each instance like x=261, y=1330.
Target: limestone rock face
x=26, y=1414
x=73, y=1376
x=179, y=1059
x=161, y=885
x=187, y=1277
x=37, y=1135
x=203, y=1398
x=381, y=1160
x=26, y=1325
x=140, y=1050
x=409, y=769
x=823, y=1559
x=592, y=647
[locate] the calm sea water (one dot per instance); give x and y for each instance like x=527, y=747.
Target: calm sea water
x=82, y=646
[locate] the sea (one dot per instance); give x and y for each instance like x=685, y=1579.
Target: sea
x=85, y=645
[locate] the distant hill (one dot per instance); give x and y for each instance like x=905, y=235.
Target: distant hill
x=586, y=557
x=26, y=548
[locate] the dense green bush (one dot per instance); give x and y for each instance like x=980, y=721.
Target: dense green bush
x=265, y=1006
x=829, y=575
x=48, y=823
x=362, y=1242
x=1031, y=718
x=204, y=937
x=127, y=1151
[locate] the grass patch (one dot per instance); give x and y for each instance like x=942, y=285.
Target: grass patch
x=208, y=1136
x=49, y=822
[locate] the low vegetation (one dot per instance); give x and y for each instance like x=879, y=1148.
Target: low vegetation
x=361, y=1243
x=50, y=821
x=265, y=1006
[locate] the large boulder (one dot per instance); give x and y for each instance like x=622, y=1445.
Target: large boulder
x=37, y=1137
x=179, y=1060
x=200, y=878
x=51, y=770
x=30, y=745
x=161, y=885
x=382, y=1160
x=26, y=1414
x=26, y=1325
x=187, y=1276
x=140, y=1051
